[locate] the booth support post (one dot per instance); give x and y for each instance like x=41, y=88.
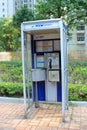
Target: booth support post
x=62, y=72
x=36, y=101
x=23, y=69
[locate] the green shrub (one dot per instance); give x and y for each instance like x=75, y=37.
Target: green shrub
x=11, y=71
x=11, y=79
x=77, y=72
x=11, y=89
x=78, y=64
x=11, y=63
x=78, y=92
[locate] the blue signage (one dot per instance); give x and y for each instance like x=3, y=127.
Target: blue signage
x=41, y=25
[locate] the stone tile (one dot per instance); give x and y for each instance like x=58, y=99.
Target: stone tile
x=47, y=117
x=54, y=128
x=63, y=129
x=43, y=128
x=54, y=124
x=44, y=123
x=28, y=128
x=33, y=128
x=64, y=125
x=74, y=126
x=83, y=127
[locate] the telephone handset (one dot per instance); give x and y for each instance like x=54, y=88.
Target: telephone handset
x=53, y=61
x=50, y=63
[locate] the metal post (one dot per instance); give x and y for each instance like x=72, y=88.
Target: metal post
x=36, y=93
x=23, y=68
x=62, y=73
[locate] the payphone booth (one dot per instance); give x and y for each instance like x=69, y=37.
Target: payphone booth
x=44, y=60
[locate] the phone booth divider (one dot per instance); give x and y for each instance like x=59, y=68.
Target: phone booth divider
x=45, y=63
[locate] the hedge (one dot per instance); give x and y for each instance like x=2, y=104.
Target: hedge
x=11, y=89
x=78, y=92
x=12, y=82
x=77, y=72
x=11, y=71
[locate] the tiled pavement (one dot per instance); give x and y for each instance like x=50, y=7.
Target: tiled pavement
x=47, y=117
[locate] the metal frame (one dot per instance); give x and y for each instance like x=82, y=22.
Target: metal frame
x=29, y=27
x=64, y=71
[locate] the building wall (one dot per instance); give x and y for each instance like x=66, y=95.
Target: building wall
x=8, y=56
x=27, y=3
x=3, y=8
x=77, y=50
x=9, y=7
x=6, y=8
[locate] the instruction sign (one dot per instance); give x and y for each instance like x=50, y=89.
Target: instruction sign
x=44, y=46
x=40, y=62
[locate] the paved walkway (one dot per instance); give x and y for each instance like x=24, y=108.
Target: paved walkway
x=47, y=117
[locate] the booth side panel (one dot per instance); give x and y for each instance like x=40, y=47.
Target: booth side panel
x=59, y=84
x=41, y=91
x=59, y=92
x=34, y=94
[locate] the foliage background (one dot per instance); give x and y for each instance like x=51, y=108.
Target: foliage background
x=77, y=80
x=12, y=84
x=11, y=79
x=9, y=36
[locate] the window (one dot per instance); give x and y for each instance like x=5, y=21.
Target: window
x=21, y=2
x=25, y=5
x=80, y=37
x=80, y=33
x=30, y=5
x=25, y=0
x=69, y=38
x=3, y=3
x=3, y=10
x=80, y=27
x=3, y=15
x=15, y=3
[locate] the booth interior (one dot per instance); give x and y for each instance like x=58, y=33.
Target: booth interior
x=44, y=59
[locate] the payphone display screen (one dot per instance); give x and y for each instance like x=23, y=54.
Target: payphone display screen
x=44, y=46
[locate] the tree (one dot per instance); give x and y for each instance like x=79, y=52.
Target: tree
x=71, y=11
x=23, y=14
x=48, y=8
x=76, y=11
x=8, y=36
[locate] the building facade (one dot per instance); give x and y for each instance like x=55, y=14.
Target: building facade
x=6, y=8
x=9, y=7
x=25, y=3
x=77, y=44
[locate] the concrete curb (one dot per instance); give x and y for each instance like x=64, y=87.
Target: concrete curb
x=21, y=100
x=12, y=100
x=79, y=103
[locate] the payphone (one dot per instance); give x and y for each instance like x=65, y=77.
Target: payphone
x=53, y=66
x=47, y=66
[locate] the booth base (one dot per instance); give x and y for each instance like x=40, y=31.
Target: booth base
x=42, y=94
x=41, y=91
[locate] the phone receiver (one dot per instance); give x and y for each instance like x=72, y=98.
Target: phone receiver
x=50, y=63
